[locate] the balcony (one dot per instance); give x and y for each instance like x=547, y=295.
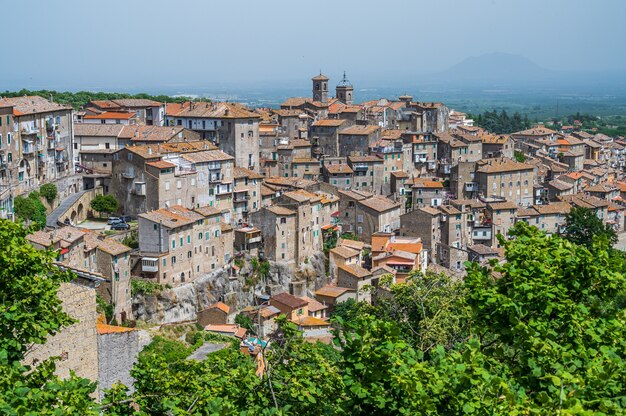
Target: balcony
x=28, y=148
x=129, y=174
x=471, y=187
x=241, y=197
x=215, y=178
x=150, y=265
x=222, y=190
x=421, y=158
x=215, y=165
x=29, y=129
x=360, y=167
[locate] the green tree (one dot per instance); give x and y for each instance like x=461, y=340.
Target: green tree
x=31, y=311
x=582, y=226
x=30, y=210
x=104, y=204
x=245, y=321
x=519, y=156
x=48, y=191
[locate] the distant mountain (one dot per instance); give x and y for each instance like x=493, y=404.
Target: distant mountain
x=495, y=68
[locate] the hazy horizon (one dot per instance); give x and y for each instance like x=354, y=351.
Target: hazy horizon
x=154, y=45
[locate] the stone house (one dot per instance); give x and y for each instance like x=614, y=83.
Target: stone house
x=339, y=175
x=502, y=215
x=549, y=218
x=367, y=173
x=424, y=223
x=231, y=126
x=506, y=178
x=324, y=136
x=354, y=277
x=332, y=295
x=426, y=192
x=340, y=256
x=145, y=111
x=290, y=306
x=216, y=314
x=451, y=251
x=365, y=214
x=118, y=350
x=246, y=193
x=357, y=139
x=392, y=153
x=178, y=245
x=497, y=146
x=278, y=227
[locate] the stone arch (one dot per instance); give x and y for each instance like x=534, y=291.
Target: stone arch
x=80, y=210
x=73, y=217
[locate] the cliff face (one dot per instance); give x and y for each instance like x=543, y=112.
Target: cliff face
x=182, y=303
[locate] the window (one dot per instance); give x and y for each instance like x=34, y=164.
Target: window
x=283, y=220
x=199, y=236
x=154, y=226
x=181, y=241
x=189, y=239
x=164, y=262
x=173, y=260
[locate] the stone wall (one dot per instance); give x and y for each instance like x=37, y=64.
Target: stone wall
x=76, y=345
x=117, y=354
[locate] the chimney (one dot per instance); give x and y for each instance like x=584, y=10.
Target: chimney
x=149, y=150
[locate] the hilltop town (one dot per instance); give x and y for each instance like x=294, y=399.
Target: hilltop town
x=230, y=217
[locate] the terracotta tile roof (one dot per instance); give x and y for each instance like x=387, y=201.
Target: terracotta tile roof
x=355, y=194
x=206, y=156
x=97, y=130
x=239, y=173
x=304, y=160
x=502, y=205
x=380, y=203
x=499, y=165
x=339, y=168
x=601, y=188
x=415, y=248
x=158, y=149
x=301, y=195
x=221, y=306
x=161, y=164
x=208, y=211
x=585, y=201
x=427, y=183
x=430, y=210
x=482, y=249
x=289, y=182
x=345, y=252
x=289, y=300
x=104, y=104
x=217, y=110
x=359, y=130
x=560, y=185
x=331, y=291
x=142, y=133
x=32, y=104
x=65, y=235
x=328, y=123
x=287, y=113
x=393, y=134
x=365, y=159
x=536, y=131
x=228, y=329
x=110, y=115
x=226, y=228
x=174, y=217
x=314, y=305
x=448, y=209
x=108, y=245
x=553, y=208
x=320, y=77
x=310, y=321
x=355, y=270
x=136, y=102
x=281, y=211
x=104, y=329
x=266, y=191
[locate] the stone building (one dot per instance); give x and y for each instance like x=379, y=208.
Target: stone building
x=364, y=214
x=357, y=140
x=231, y=126
x=424, y=223
x=345, y=91
x=147, y=112
x=216, y=314
x=76, y=345
x=177, y=245
x=452, y=249
x=339, y=175
x=191, y=174
x=278, y=228
x=289, y=305
x=367, y=173
x=324, y=136
x=118, y=349
x=246, y=193
x=502, y=215
x=506, y=178
x=35, y=147
x=354, y=277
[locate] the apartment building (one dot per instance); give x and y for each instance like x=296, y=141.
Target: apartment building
x=367, y=173
x=424, y=151
x=424, y=223
x=292, y=123
x=36, y=145
x=295, y=160
x=338, y=174
x=392, y=152
x=246, y=193
x=502, y=216
x=231, y=126
x=357, y=139
x=426, y=192
x=324, y=135
x=549, y=218
x=191, y=174
x=278, y=227
x=177, y=245
x=364, y=214
x=451, y=251
x=506, y=178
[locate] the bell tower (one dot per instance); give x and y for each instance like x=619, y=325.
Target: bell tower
x=320, y=88
x=344, y=91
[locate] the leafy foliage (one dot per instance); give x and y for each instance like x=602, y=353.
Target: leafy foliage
x=582, y=226
x=519, y=156
x=80, y=98
x=48, y=191
x=31, y=311
x=144, y=287
x=131, y=240
x=501, y=123
x=31, y=210
x=245, y=321
x=104, y=204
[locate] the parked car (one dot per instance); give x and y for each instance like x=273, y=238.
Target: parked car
x=114, y=220
x=120, y=226
x=126, y=218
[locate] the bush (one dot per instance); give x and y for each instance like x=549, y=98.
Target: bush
x=144, y=287
x=104, y=307
x=104, y=203
x=48, y=191
x=170, y=350
x=132, y=240
x=30, y=210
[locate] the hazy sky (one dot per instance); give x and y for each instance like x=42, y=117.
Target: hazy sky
x=111, y=44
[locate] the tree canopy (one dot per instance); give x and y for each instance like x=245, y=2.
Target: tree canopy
x=582, y=226
x=501, y=123
x=30, y=209
x=104, y=204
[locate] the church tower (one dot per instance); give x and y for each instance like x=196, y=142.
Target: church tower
x=320, y=88
x=344, y=91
